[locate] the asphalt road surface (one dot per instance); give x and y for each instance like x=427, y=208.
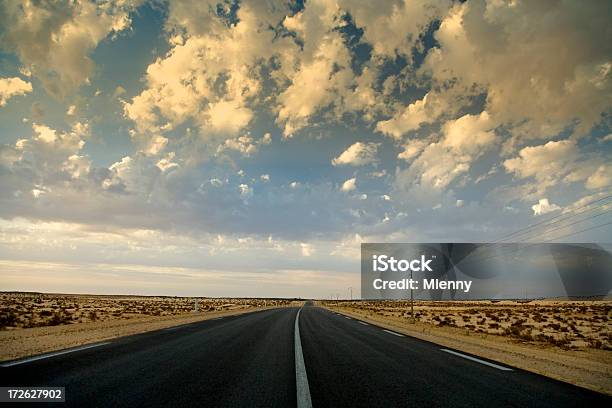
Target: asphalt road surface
x=265, y=359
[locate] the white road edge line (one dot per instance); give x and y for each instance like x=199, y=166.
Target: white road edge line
x=364, y=323
x=478, y=360
x=392, y=332
x=346, y=317
x=301, y=379
x=173, y=328
x=49, y=355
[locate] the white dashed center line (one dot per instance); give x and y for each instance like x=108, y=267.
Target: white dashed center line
x=394, y=333
x=477, y=360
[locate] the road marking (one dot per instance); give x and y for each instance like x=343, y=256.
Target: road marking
x=364, y=323
x=346, y=317
x=478, y=360
x=173, y=328
x=301, y=379
x=49, y=355
x=392, y=332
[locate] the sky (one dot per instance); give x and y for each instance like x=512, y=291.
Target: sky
x=248, y=148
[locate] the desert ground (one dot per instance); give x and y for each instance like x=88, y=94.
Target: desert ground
x=566, y=324
x=567, y=340
x=21, y=310
x=33, y=323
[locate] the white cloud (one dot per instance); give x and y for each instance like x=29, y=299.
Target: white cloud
x=358, y=154
x=228, y=117
x=154, y=145
x=412, y=148
x=426, y=110
x=54, y=42
x=77, y=166
x=134, y=174
x=307, y=249
x=544, y=207
x=349, y=185
x=315, y=84
x=10, y=87
x=464, y=140
x=470, y=134
x=211, y=75
x=546, y=163
x=601, y=178
x=246, y=192
x=245, y=145
x=166, y=163
x=216, y=182
x=533, y=74
x=394, y=27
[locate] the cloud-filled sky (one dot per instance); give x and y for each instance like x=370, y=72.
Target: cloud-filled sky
x=247, y=148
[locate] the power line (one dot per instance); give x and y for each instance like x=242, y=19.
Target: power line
x=525, y=235
x=522, y=230
x=573, y=223
x=578, y=232
x=521, y=248
x=559, y=219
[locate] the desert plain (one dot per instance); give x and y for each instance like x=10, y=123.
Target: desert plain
x=33, y=323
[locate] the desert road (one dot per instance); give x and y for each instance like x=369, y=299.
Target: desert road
x=277, y=358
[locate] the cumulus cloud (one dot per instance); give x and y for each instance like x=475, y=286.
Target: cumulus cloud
x=246, y=192
x=602, y=177
x=546, y=163
x=10, y=87
x=394, y=28
x=132, y=174
x=167, y=163
x=349, y=185
x=532, y=72
x=328, y=70
x=358, y=154
x=245, y=145
x=440, y=163
x=210, y=76
x=544, y=207
x=412, y=149
x=426, y=110
x=54, y=40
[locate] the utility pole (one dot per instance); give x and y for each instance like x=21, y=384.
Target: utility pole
x=351, y=290
x=196, y=305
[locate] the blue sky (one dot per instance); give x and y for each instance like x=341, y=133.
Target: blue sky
x=248, y=148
